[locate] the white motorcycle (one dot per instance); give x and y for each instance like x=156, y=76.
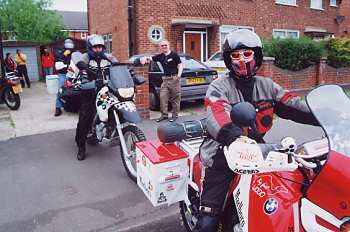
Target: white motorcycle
x=116, y=116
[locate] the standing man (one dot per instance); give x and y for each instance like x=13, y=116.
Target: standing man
x=21, y=61
x=170, y=89
x=63, y=59
x=47, y=62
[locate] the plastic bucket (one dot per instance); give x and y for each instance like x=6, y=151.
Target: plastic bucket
x=52, y=84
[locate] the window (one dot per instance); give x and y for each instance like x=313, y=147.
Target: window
x=282, y=33
x=108, y=42
x=225, y=29
x=316, y=4
x=333, y=2
x=83, y=35
x=155, y=34
x=287, y=2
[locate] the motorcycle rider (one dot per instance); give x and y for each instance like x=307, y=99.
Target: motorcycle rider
x=242, y=53
x=63, y=59
x=95, y=59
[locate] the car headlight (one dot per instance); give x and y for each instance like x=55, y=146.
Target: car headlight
x=126, y=92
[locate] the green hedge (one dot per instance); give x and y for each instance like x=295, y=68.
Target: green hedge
x=338, y=52
x=294, y=54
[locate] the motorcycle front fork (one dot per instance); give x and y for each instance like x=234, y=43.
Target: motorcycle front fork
x=121, y=136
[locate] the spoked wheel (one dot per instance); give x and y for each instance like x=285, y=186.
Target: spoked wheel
x=190, y=213
x=132, y=135
x=12, y=99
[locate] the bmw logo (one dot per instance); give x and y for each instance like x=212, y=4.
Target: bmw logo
x=270, y=206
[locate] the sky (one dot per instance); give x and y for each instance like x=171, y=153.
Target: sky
x=69, y=5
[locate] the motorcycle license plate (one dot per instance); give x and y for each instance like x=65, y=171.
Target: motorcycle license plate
x=195, y=81
x=17, y=88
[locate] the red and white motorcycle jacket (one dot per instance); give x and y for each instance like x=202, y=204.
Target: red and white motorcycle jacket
x=268, y=98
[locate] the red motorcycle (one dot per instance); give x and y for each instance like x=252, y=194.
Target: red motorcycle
x=304, y=188
x=10, y=87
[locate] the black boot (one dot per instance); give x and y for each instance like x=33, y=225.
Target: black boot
x=58, y=112
x=81, y=153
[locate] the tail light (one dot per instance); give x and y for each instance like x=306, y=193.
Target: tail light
x=345, y=227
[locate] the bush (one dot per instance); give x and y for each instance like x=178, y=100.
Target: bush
x=338, y=52
x=294, y=54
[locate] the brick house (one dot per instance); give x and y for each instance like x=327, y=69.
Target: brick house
x=198, y=27
x=75, y=23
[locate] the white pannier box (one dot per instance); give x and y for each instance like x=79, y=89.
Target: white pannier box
x=162, y=172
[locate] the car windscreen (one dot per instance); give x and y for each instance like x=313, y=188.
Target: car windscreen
x=216, y=57
x=190, y=63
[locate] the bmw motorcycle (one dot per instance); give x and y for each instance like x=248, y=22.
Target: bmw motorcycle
x=293, y=188
x=116, y=116
x=10, y=88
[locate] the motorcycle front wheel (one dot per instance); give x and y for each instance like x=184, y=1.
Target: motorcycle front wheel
x=132, y=135
x=12, y=99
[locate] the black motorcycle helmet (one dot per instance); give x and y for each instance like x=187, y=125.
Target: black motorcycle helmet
x=243, y=114
x=95, y=40
x=240, y=39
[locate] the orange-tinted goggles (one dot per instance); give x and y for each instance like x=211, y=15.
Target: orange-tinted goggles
x=236, y=55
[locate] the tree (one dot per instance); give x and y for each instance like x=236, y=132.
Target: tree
x=31, y=20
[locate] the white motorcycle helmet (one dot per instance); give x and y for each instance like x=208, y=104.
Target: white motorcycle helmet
x=68, y=44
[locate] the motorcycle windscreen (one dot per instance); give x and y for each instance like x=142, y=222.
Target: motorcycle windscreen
x=120, y=77
x=330, y=189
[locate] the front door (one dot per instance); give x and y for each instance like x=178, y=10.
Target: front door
x=193, y=45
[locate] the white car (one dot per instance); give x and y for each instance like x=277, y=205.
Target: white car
x=216, y=62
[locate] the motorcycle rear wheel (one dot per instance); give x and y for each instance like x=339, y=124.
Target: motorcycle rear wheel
x=132, y=135
x=12, y=99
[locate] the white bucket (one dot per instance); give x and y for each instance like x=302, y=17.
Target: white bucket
x=52, y=84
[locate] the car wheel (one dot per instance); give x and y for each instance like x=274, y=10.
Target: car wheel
x=153, y=100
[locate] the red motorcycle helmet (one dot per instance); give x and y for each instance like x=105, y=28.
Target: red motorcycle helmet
x=243, y=39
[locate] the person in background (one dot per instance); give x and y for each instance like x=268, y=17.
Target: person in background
x=21, y=61
x=47, y=62
x=170, y=88
x=10, y=65
x=62, y=63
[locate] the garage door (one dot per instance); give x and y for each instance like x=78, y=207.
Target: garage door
x=32, y=60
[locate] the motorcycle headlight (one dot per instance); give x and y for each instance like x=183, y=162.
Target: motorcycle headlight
x=126, y=92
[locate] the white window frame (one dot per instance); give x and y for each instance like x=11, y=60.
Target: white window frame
x=286, y=2
x=108, y=42
x=228, y=28
x=83, y=34
x=151, y=34
x=286, y=32
x=333, y=3
x=316, y=7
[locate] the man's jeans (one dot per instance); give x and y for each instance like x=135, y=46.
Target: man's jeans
x=61, y=79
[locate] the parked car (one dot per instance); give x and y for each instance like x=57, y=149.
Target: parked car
x=195, y=79
x=216, y=62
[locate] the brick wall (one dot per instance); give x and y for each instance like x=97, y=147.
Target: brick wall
x=142, y=92
x=111, y=16
x=307, y=78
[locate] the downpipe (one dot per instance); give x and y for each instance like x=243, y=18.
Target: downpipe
x=121, y=136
